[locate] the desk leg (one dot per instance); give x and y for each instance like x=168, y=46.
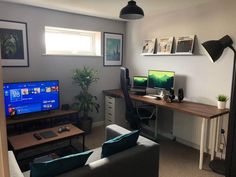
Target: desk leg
x=213, y=142
x=156, y=122
x=202, y=142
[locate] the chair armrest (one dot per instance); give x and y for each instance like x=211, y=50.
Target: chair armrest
x=13, y=166
x=114, y=130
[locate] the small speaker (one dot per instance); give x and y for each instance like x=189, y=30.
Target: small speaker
x=180, y=94
x=65, y=106
x=172, y=94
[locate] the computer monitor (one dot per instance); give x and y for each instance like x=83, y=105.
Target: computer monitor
x=161, y=79
x=140, y=82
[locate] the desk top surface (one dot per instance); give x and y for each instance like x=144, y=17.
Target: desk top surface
x=197, y=109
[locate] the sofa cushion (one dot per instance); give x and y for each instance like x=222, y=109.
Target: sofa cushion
x=120, y=143
x=13, y=166
x=96, y=155
x=60, y=165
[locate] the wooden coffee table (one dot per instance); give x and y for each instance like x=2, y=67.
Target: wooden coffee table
x=27, y=140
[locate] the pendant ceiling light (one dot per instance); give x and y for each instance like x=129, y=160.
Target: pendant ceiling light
x=131, y=11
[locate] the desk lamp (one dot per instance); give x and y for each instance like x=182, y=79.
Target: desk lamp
x=214, y=50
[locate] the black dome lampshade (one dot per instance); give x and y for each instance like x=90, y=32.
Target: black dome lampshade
x=131, y=11
x=215, y=48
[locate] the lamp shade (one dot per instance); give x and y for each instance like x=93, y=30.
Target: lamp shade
x=131, y=11
x=215, y=48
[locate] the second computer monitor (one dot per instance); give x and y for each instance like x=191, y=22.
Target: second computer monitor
x=140, y=82
x=161, y=79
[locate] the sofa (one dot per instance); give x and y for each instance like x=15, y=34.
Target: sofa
x=139, y=161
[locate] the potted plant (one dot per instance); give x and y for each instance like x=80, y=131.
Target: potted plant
x=221, y=101
x=85, y=102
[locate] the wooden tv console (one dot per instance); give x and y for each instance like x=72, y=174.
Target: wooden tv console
x=69, y=115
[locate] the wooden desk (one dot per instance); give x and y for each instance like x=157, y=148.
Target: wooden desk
x=203, y=111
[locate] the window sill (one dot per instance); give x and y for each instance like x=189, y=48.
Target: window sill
x=61, y=55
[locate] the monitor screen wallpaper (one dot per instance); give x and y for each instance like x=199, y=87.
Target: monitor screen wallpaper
x=161, y=79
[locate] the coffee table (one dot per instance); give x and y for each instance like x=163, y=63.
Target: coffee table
x=26, y=141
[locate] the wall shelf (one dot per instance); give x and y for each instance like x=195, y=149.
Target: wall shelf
x=169, y=54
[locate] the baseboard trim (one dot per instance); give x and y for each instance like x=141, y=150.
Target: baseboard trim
x=167, y=135
x=99, y=123
x=190, y=144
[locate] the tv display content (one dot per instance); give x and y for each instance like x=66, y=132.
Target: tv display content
x=29, y=97
x=161, y=79
x=139, y=81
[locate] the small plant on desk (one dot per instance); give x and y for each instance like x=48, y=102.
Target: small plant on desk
x=222, y=99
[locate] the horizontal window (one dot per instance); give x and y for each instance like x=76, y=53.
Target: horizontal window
x=65, y=41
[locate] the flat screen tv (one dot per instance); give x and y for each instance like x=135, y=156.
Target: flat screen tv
x=30, y=97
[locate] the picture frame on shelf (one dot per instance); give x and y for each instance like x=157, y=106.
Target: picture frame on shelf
x=185, y=44
x=113, y=49
x=164, y=45
x=13, y=44
x=149, y=46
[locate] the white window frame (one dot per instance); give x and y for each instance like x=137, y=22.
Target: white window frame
x=95, y=36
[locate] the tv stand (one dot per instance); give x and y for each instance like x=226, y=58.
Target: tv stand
x=70, y=115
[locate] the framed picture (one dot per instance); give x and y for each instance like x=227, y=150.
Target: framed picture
x=149, y=46
x=184, y=44
x=164, y=45
x=13, y=44
x=113, y=49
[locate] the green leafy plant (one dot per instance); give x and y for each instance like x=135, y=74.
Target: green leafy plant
x=85, y=102
x=222, y=98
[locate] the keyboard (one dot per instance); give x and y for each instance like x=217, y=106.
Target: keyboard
x=155, y=96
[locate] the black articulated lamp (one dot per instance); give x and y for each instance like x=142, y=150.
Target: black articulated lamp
x=214, y=50
x=131, y=11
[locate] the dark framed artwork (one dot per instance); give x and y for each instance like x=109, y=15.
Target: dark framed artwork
x=113, y=49
x=185, y=44
x=13, y=44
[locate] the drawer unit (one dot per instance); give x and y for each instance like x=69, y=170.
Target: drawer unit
x=114, y=111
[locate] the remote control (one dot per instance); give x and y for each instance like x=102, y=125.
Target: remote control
x=37, y=136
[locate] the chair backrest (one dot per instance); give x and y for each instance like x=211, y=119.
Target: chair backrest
x=124, y=81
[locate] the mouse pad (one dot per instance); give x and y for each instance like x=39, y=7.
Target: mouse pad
x=48, y=134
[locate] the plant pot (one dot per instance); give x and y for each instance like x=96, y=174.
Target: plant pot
x=221, y=104
x=85, y=124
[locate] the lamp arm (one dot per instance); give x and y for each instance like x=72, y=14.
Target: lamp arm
x=231, y=142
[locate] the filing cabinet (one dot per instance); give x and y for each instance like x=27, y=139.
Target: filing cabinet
x=114, y=111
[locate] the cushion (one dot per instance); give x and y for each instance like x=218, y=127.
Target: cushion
x=96, y=155
x=13, y=166
x=120, y=143
x=57, y=166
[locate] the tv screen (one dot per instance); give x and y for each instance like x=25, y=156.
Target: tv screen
x=29, y=97
x=161, y=79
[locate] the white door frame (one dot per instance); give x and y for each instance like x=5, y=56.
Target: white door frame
x=4, y=167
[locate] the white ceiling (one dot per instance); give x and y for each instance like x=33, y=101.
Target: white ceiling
x=110, y=8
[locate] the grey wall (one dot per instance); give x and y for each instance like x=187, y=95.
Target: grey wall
x=60, y=67
x=201, y=79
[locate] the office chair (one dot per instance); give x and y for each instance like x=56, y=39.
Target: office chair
x=134, y=116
